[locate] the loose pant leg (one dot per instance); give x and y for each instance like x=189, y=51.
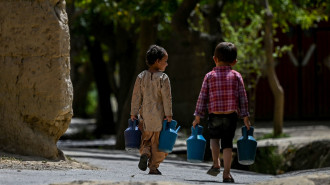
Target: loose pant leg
x=145, y=148
x=149, y=147
x=156, y=156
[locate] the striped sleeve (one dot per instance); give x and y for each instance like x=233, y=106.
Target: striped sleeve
x=202, y=101
x=243, y=100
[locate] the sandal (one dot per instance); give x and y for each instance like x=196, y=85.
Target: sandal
x=213, y=171
x=143, y=162
x=155, y=172
x=229, y=179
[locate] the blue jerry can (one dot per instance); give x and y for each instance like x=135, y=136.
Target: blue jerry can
x=168, y=136
x=196, y=144
x=246, y=147
x=132, y=136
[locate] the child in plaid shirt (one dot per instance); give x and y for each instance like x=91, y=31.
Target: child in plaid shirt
x=223, y=94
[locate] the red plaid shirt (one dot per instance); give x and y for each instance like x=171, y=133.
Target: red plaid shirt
x=222, y=91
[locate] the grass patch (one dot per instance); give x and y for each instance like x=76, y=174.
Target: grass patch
x=267, y=161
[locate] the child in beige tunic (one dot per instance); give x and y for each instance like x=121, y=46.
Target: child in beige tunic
x=152, y=101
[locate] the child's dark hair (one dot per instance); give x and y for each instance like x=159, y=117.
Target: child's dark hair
x=226, y=52
x=154, y=52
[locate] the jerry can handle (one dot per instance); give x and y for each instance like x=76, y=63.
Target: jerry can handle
x=165, y=122
x=194, y=131
x=135, y=122
x=246, y=132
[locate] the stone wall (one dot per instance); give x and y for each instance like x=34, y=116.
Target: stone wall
x=35, y=85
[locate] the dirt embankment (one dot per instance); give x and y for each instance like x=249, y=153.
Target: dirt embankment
x=19, y=162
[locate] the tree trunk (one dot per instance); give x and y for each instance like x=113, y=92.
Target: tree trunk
x=105, y=122
x=125, y=52
x=81, y=83
x=81, y=75
x=180, y=18
x=275, y=86
x=147, y=37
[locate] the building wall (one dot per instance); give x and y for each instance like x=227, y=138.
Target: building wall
x=306, y=85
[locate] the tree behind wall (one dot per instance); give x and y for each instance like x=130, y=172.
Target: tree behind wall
x=275, y=86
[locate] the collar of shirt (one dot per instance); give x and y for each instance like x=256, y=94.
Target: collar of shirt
x=222, y=68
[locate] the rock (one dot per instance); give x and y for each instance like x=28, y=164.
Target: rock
x=277, y=156
x=314, y=179
x=312, y=156
x=35, y=86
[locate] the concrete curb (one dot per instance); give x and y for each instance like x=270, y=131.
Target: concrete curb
x=314, y=179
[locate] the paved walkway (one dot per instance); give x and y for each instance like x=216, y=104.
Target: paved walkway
x=120, y=167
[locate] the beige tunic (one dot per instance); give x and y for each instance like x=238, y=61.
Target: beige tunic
x=152, y=99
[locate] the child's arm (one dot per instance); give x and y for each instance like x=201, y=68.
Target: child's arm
x=169, y=118
x=196, y=121
x=134, y=117
x=201, y=104
x=243, y=100
x=167, y=97
x=247, y=122
x=136, y=99
x=243, y=103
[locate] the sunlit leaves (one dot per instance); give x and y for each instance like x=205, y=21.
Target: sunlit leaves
x=127, y=13
x=303, y=12
x=241, y=23
x=248, y=39
x=279, y=51
x=197, y=21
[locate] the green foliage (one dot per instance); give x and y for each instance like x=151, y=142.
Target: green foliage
x=241, y=22
x=285, y=12
x=279, y=51
x=246, y=23
x=303, y=12
x=248, y=40
x=245, y=26
x=199, y=24
x=127, y=13
x=267, y=161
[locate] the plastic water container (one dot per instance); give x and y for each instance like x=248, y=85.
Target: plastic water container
x=246, y=147
x=132, y=136
x=168, y=136
x=196, y=144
